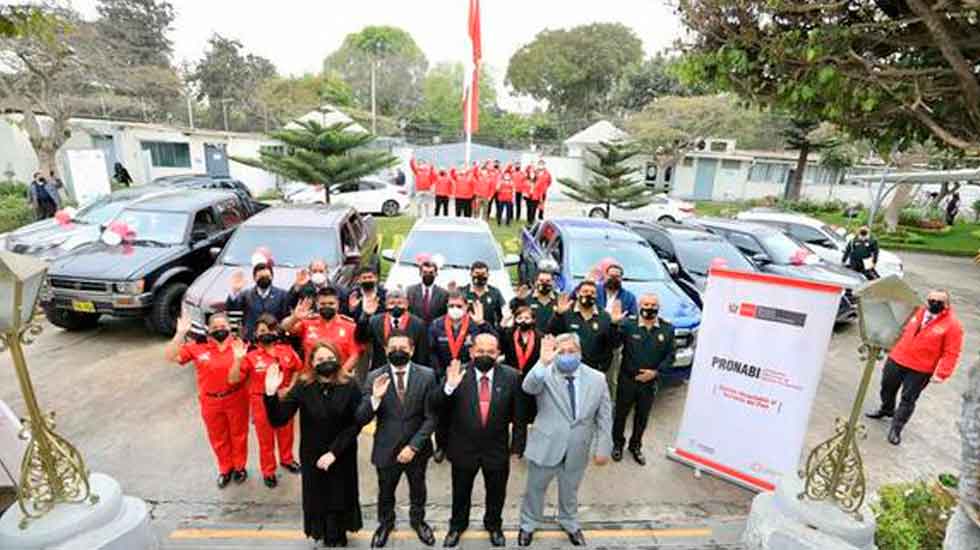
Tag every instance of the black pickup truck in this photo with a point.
(175, 237)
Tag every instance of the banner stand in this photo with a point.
(701, 464)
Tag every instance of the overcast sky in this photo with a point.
(297, 34)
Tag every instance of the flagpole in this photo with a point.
(468, 123)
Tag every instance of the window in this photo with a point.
(230, 213)
(467, 248)
(165, 154)
(291, 247)
(357, 229)
(639, 261)
(698, 253)
(719, 146)
(727, 164)
(668, 172)
(688, 161)
(746, 244)
(346, 188)
(156, 227)
(204, 221)
(810, 235)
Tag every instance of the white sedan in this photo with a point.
(453, 244)
(661, 209)
(366, 196)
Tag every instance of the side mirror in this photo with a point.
(761, 259)
(214, 251)
(198, 235)
(673, 268)
(511, 260)
(388, 254)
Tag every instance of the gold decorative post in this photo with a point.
(52, 470)
(834, 470)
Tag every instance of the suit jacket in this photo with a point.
(252, 305)
(401, 424)
(509, 350)
(470, 443)
(371, 329)
(438, 300)
(626, 299)
(556, 436)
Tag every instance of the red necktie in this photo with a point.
(484, 399)
(425, 303)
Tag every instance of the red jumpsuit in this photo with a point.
(339, 331)
(254, 368)
(423, 176)
(224, 407)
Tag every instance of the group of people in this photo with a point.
(455, 373)
(44, 195)
(476, 189)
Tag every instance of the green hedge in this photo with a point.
(13, 189)
(912, 516)
(14, 212)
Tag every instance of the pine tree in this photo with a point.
(321, 155)
(612, 182)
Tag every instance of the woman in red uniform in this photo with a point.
(224, 406)
(270, 350)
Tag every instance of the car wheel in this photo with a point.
(390, 208)
(71, 321)
(597, 212)
(166, 308)
(666, 219)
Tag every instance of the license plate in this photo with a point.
(83, 307)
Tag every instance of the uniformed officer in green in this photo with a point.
(593, 325)
(648, 349)
(542, 300)
(480, 290)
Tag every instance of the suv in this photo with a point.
(176, 238)
(204, 181)
(295, 236)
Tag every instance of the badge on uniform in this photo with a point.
(573, 326)
(637, 337)
(595, 326)
(660, 337)
(342, 333)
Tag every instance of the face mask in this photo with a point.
(484, 363)
(479, 281)
(456, 313)
(428, 279)
(525, 326)
(613, 283)
(220, 335)
(319, 279)
(587, 301)
(544, 288)
(368, 286)
(264, 282)
(396, 311)
(268, 338)
(936, 307)
(399, 358)
(567, 363)
(649, 312)
(863, 235)
(328, 367)
(328, 312)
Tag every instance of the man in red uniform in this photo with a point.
(542, 181)
(521, 188)
(927, 351)
(505, 199)
(424, 181)
(269, 350)
(325, 324)
(444, 190)
(224, 406)
(463, 192)
(484, 187)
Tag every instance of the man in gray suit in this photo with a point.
(574, 412)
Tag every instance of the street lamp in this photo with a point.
(834, 470)
(52, 470)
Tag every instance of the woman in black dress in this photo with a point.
(327, 399)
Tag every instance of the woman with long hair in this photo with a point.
(327, 399)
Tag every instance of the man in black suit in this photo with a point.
(427, 300)
(483, 401)
(401, 400)
(376, 327)
(253, 302)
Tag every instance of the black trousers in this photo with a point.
(532, 210)
(495, 486)
(464, 208)
(388, 479)
(630, 395)
(518, 199)
(505, 211)
(911, 383)
(442, 203)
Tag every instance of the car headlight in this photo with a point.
(130, 287)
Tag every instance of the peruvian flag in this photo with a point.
(471, 73)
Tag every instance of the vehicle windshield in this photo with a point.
(290, 247)
(458, 250)
(101, 211)
(165, 228)
(697, 255)
(639, 262)
(838, 238)
(781, 248)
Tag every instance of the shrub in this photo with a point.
(13, 188)
(912, 516)
(976, 210)
(810, 206)
(14, 212)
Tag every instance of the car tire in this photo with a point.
(666, 219)
(390, 208)
(597, 212)
(72, 321)
(166, 308)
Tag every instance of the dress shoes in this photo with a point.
(617, 453)
(439, 455)
(239, 476)
(895, 435)
(497, 538)
(879, 414)
(292, 467)
(452, 538)
(380, 538)
(577, 538)
(223, 480)
(270, 481)
(426, 536)
(524, 538)
(638, 456)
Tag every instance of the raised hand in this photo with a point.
(371, 304)
(273, 379)
(549, 349)
(380, 387)
(564, 303)
(353, 300)
(325, 461)
(239, 349)
(183, 325)
(617, 314)
(477, 314)
(302, 277)
(303, 309)
(237, 281)
(455, 373)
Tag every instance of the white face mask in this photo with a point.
(456, 313)
(319, 279)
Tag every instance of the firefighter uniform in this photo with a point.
(339, 331)
(253, 370)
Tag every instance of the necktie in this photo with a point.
(425, 303)
(571, 393)
(484, 399)
(400, 384)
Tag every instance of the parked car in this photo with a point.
(204, 181)
(175, 236)
(577, 245)
(775, 252)
(367, 195)
(454, 244)
(661, 209)
(295, 236)
(825, 241)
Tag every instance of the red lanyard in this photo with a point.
(456, 343)
(523, 352)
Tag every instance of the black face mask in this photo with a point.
(649, 313)
(479, 281)
(428, 279)
(368, 286)
(614, 283)
(484, 363)
(863, 235)
(263, 282)
(268, 338)
(397, 311)
(525, 326)
(327, 368)
(544, 288)
(936, 307)
(587, 301)
(220, 335)
(399, 358)
(328, 312)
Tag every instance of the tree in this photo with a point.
(887, 71)
(395, 60)
(441, 110)
(612, 182)
(227, 78)
(321, 155)
(286, 98)
(135, 31)
(18, 20)
(575, 70)
(643, 82)
(804, 136)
